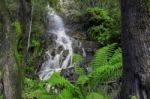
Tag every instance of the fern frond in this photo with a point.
(79, 71)
(117, 57)
(65, 94)
(57, 80)
(103, 55)
(82, 79)
(94, 95)
(107, 73)
(68, 88)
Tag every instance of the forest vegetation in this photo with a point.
(106, 42)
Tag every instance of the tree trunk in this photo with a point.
(136, 50)
(11, 78)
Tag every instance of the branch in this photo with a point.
(30, 28)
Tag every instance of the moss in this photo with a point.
(77, 58)
(148, 6)
(16, 24)
(133, 97)
(1, 97)
(18, 55)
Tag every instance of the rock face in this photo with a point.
(68, 7)
(75, 28)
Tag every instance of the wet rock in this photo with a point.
(90, 46)
(65, 53)
(79, 35)
(53, 52)
(64, 40)
(69, 73)
(59, 49)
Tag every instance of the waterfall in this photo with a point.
(60, 56)
(84, 53)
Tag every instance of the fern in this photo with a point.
(117, 57)
(68, 89)
(106, 73)
(65, 94)
(79, 71)
(35, 88)
(103, 55)
(82, 79)
(107, 65)
(94, 95)
(57, 80)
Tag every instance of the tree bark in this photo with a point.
(136, 50)
(11, 78)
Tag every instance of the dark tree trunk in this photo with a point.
(11, 78)
(136, 49)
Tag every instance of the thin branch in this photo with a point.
(30, 28)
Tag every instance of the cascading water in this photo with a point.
(61, 55)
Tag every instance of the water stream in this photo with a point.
(61, 56)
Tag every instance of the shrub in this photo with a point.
(101, 26)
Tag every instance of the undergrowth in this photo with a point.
(106, 67)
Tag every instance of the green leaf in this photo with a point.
(103, 55)
(82, 80)
(94, 95)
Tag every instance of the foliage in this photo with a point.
(54, 3)
(133, 97)
(62, 81)
(35, 43)
(83, 79)
(79, 70)
(34, 88)
(39, 8)
(101, 26)
(99, 3)
(18, 57)
(106, 73)
(102, 56)
(18, 53)
(107, 64)
(68, 90)
(148, 5)
(77, 59)
(17, 27)
(94, 96)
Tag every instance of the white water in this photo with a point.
(56, 62)
(84, 53)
